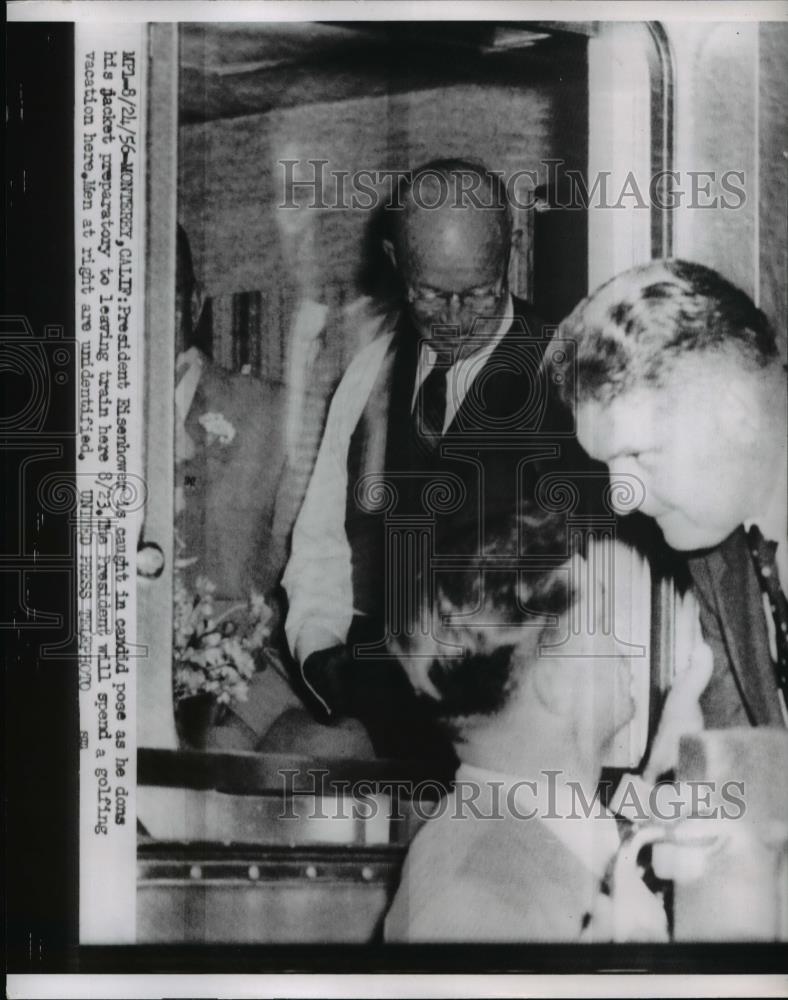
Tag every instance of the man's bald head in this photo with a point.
(451, 237)
(456, 210)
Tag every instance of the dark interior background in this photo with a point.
(361, 96)
(374, 96)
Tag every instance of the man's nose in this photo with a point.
(627, 491)
(454, 306)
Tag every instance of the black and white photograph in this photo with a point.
(411, 411)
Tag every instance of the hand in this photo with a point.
(327, 674)
(681, 713)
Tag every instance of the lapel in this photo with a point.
(740, 609)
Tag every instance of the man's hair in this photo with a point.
(633, 330)
(183, 260)
(201, 335)
(467, 183)
(490, 617)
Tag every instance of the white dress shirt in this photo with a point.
(318, 578)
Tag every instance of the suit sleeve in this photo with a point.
(318, 576)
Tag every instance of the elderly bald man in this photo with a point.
(428, 425)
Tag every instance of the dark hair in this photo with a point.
(184, 265)
(201, 335)
(518, 585)
(451, 170)
(633, 329)
(377, 276)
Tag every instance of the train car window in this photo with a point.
(280, 300)
(256, 307)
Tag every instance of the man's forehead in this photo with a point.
(449, 252)
(454, 273)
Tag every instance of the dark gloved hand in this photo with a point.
(327, 674)
(332, 677)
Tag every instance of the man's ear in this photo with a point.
(390, 252)
(196, 304)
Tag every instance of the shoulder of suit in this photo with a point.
(526, 842)
(479, 879)
(485, 847)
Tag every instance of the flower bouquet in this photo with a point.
(215, 655)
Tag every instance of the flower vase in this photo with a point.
(195, 717)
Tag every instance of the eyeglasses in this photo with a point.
(431, 300)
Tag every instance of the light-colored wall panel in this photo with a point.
(773, 152)
(732, 115)
(230, 184)
(716, 101)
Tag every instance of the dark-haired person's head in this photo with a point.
(189, 299)
(450, 230)
(518, 660)
(678, 382)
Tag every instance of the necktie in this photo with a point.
(429, 413)
(764, 557)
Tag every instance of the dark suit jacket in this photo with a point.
(743, 688)
(487, 458)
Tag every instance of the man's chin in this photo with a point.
(685, 536)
